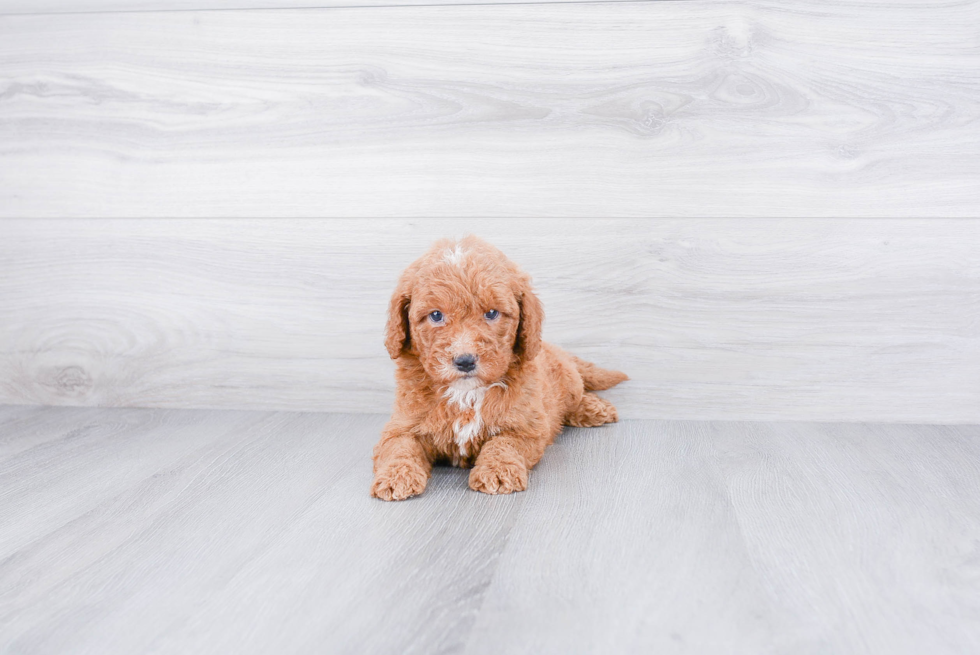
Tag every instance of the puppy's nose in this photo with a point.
(465, 363)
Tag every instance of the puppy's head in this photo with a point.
(466, 312)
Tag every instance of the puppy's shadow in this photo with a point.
(446, 477)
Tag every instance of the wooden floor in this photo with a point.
(181, 531)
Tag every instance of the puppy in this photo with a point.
(475, 385)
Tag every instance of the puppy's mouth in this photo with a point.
(467, 376)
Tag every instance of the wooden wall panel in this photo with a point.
(868, 320)
(648, 109)
(90, 6)
(97, 6)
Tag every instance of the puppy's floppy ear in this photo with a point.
(397, 330)
(528, 341)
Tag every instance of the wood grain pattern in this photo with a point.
(706, 108)
(872, 320)
(744, 538)
(89, 6)
(190, 531)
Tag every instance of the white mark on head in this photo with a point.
(454, 255)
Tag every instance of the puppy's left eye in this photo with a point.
(491, 315)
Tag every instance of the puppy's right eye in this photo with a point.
(436, 317)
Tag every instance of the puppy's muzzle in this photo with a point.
(465, 363)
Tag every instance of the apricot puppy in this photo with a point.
(476, 386)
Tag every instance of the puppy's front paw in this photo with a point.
(498, 477)
(399, 480)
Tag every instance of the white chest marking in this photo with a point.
(468, 393)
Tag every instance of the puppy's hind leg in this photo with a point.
(591, 412)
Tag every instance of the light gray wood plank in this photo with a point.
(90, 6)
(273, 523)
(744, 538)
(42, 483)
(364, 576)
(13, 414)
(707, 108)
(23, 428)
(647, 536)
(873, 320)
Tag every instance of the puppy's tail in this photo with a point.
(595, 378)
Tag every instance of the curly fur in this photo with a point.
(499, 418)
